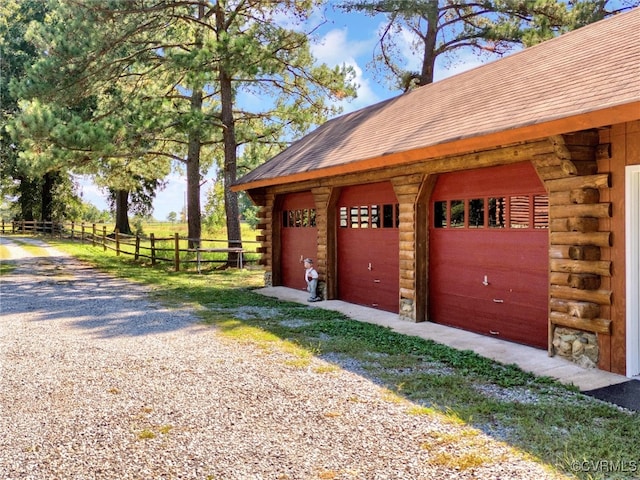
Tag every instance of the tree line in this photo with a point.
(128, 91)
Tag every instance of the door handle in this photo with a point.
(498, 300)
(369, 267)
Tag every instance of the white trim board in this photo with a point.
(632, 237)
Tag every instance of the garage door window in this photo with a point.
(519, 211)
(457, 214)
(541, 211)
(513, 212)
(299, 218)
(370, 216)
(497, 212)
(476, 213)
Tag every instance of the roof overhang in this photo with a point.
(524, 133)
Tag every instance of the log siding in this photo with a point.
(575, 237)
(407, 189)
(574, 169)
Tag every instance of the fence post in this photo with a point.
(152, 240)
(82, 234)
(104, 237)
(117, 232)
(93, 235)
(3, 226)
(137, 246)
(73, 230)
(177, 251)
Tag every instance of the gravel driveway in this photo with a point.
(99, 382)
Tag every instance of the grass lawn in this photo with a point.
(555, 424)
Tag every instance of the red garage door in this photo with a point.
(488, 253)
(299, 237)
(368, 265)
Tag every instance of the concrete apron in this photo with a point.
(527, 358)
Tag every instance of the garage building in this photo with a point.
(504, 200)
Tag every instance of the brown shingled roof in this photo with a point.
(578, 75)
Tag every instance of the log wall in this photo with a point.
(265, 234)
(584, 175)
(407, 189)
(576, 239)
(326, 259)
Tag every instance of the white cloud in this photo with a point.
(335, 48)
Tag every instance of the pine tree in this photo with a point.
(444, 28)
(164, 82)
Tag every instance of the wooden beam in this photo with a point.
(596, 210)
(559, 278)
(407, 293)
(584, 310)
(550, 173)
(582, 138)
(582, 153)
(585, 281)
(546, 160)
(560, 147)
(598, 239)
(407, 284)
(576, 224)
(575, 252)
(585, 167)
(571, 183)
(600, 267)
(601, 297)
(584, 195)
(603, 151)
(595, 325)
(559, 305)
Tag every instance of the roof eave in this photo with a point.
(534, 131)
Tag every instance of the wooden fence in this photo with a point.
(173, 249)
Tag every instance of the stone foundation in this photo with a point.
(268, 279)
(407, 312)
(578, 346)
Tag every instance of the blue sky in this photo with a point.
(344, 38)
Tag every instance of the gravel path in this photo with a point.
(99, 382)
